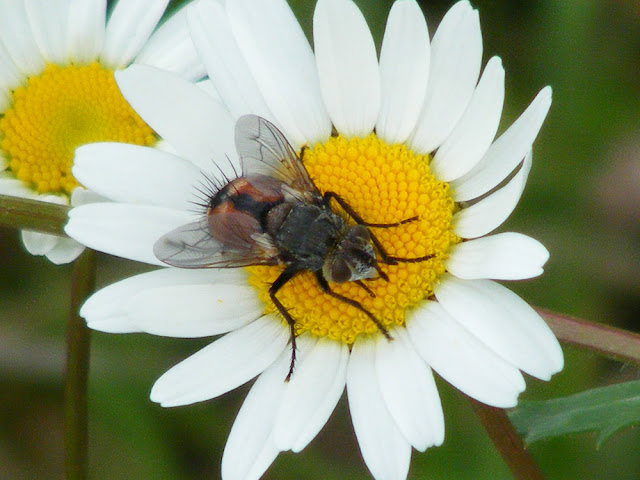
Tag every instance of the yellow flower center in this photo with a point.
(384, 184)
(59, 110)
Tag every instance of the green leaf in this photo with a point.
(604, 410)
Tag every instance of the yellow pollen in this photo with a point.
(384, 184)
(59, 110)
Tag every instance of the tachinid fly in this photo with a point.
(273, 214)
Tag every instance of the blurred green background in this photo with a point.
(581, 202)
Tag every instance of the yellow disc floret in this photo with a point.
(59, 110)
(384, 184)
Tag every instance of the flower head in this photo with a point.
(412, 156)
(58, 92)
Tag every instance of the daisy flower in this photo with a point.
(57, 91)
(407, 136)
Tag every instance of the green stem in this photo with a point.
(78, 341)
(33, 215)
(506, 439)
(610, 341)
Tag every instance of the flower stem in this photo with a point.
(614, 342)
(78, 340)
(23, 213)
(506, 439)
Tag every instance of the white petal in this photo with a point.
(490, 212)
(49, 26)
(65, 251)
(384, 449)
(17, 37)
(86, 30)
(190, 311)
(409, 391)
(506, 152)
(16, 188)
(208, 86)
(404, 71)
(475, 131)
(504, 256)
(347, 67)
(10, 76)
(38, 243)
(81, 196)
(198, 127)
(124, 230)
(224, 365)
(129, 27)
(134, 174)
(250, 448)
(456, 56)
(224, 61)
(283, 65)
(314, 390)
(170, 48)
(107, 304)
(504, 322)
(461, 359)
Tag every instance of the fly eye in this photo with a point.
(339, 271)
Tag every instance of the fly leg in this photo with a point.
(324, 285)
(386, 258)
(287, 274)
(359, 220)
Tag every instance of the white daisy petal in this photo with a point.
(313, 392)
(16, 188)
(66, 250)
(409, 391)
(186, 117)
(461, 359)
(10, 75)
(250, 448)
(404, 71)
(283, 65)
(81, 196)
(170, 48)
(188, 311)
(456, 56)
(504, 322)
(208, 86)
(224, 365)
(347, 66)
(17, 37)
(129, 27)
(490, 212)
(38, 243)
(384, 449)
(506, 152)
(125, 230)
(475, 131)
(504, 256)
(224, 61)
(86, 29)
(107, 303)
(134, 174)
(49, 26)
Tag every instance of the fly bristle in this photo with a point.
(210, 185)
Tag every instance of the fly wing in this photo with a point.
(193, 246)
(264, 150)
